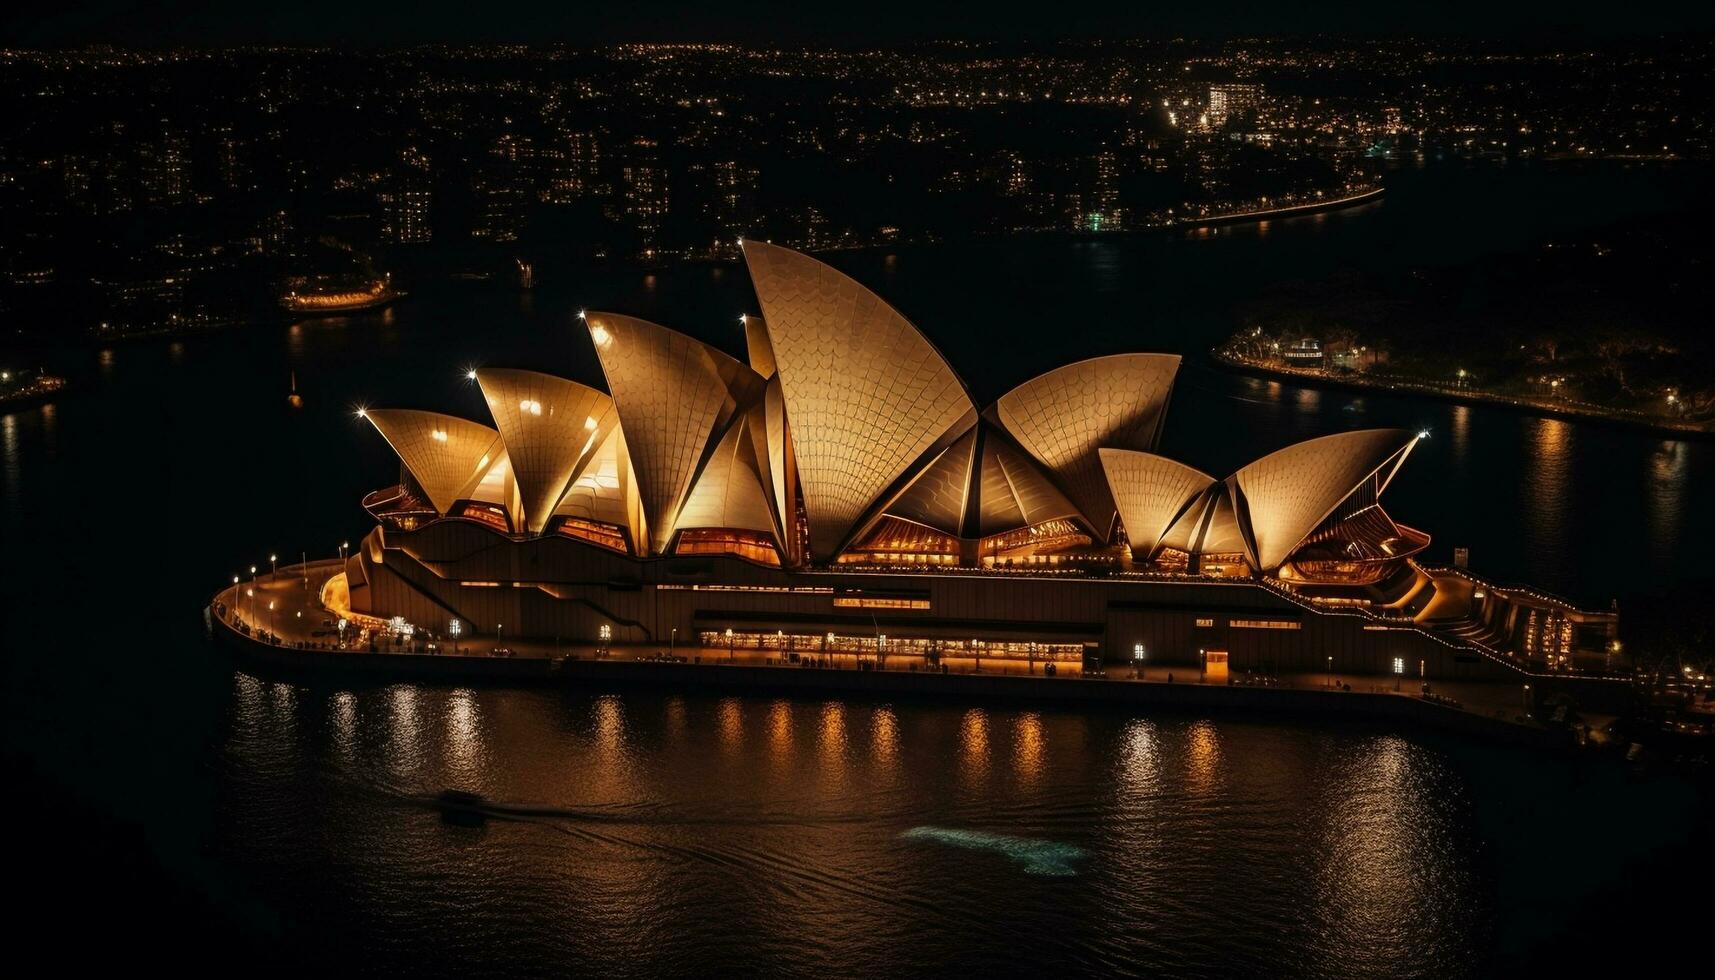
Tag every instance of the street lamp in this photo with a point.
(606, 635)
(342, 625)
(233, 612)
(1138, 653)
(454, 628)
(673, 641)
(881, 650)
(729, 653)
(273, 567)
(1330, 671)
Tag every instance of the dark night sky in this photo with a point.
(44, 22)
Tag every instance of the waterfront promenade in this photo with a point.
(1552, 407)
(285, 621)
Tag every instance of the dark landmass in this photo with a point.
(1612, 321)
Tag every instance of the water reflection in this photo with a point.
(464, 737)
(884, 738)
(1460, 430)
(1027, 749)
(1547, 476)
(1665, 498)
(798, 823)
(1202, 758)
(729, 728)
(402, 751)
(973, 745)
(345, 725)
(11, 464)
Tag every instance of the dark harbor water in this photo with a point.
(190, 807)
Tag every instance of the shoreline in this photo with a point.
(298, 665)
(1270, 214)
(1315, 379)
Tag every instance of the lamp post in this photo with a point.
(1138, 654)
(342, 626)
(729, 653)
(881, 651)
(232, 613)
(673, 641)
(250, 592)
(977, 652)
(828, 648)
(273, 566)
(454, 628)
(606, 635)
(270, 620)
(1330, 671)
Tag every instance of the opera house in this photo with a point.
(839, 490)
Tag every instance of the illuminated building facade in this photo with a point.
(839, 486)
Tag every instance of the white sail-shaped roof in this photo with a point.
(731, 490)
(937, 497)
(1064, 416)
(1015, 493)
(499, 488)
(446, 455)
(676, 396)
(1283, 496)
(550, 426)
(1152, 492)
(868, 396)
(598, 492)
(782, 464)
(757, 348)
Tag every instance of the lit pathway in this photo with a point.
(289, 605)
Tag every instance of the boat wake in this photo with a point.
(1038, 857)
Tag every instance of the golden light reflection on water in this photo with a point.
(1027, 748)
(675, 718)
(464, 735)
(1547, 471)
(1461, 432)
(12, 459)
(831, 734)
(831, 746)
(1203, 758)
(344, 717)
(1308, 401)
(729, 727)
(780, 736)
(403, 748)
(1383, 871)
(884, 739)
(1664, 500)
(974, 744)
(611, 770)
(608, 718)
(1140, 759)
